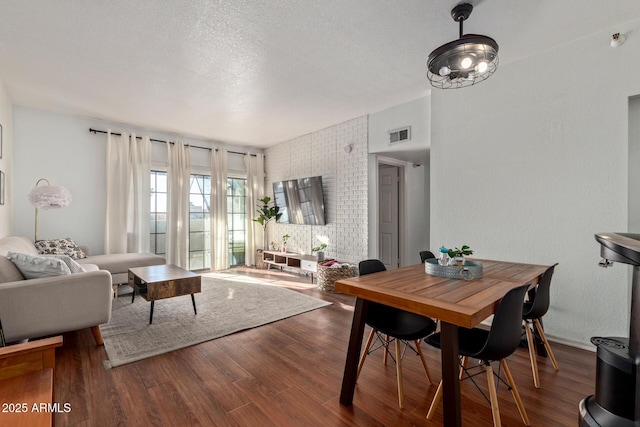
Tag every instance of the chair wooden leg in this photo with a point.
(463, 364)
(399, 372)
(538, 325)
(364, 353)
(532, 354)
(493, 396)
(424, 362)
(514, 391)
(435, 401)
(97, 335)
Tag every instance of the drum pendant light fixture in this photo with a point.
(463, 62)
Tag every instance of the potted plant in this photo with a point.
(319, 250)
(285, 239)
(457, 255)
(266, 212)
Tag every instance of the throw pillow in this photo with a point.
(60, 247)
(74, 267)
(36, 266)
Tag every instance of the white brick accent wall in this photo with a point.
(344, 179)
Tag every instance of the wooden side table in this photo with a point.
(26, 383)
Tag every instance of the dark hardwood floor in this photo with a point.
(288, 373)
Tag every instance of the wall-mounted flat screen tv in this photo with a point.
(300, 201)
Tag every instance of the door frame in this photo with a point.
(381, 160)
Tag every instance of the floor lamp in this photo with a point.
(46, 197)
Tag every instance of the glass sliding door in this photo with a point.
(199, 218)
(158, 214)
(199, 222)
(236, 219)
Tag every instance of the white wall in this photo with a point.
(407, 154)
(538, 155)
(6, 162)
(61, 149)
(415, 114)
(634, 161)
(344, 179)
(417, 231)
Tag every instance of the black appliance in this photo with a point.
(617, 398)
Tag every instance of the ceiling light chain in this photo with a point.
(463, 62)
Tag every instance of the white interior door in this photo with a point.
(388, 189)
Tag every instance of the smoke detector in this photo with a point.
(617, 40)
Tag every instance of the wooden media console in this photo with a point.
(299, 262)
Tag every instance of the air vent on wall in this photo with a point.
(399, 135)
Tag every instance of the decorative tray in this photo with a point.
(469, 271)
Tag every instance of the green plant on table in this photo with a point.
(320, 248)
(464, 250)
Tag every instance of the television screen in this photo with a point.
(300, 201)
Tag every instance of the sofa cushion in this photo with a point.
(17, 244)
(121, 263)
(65, 246)
(9, 272)
(35, 266)
(90, 267)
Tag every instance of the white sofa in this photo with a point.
(32, 308)
(119, 264)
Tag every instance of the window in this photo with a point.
(158, 227)
(199, 223)
(199, 218)
(236, 219)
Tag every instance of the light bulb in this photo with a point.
(466, 63)
(444, 71)
(482, 67)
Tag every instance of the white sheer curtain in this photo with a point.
(218, 217)
(128, 175)
(178, 176)
(115, 237)
(139, 199)
(255, 190)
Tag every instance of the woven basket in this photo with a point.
(260, 260)
(327, 276)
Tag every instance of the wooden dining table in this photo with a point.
(456, 302)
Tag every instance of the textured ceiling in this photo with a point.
(252, 72)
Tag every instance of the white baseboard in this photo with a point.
(573, 343)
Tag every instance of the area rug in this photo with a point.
(228, 303)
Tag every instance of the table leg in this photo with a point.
(133, 294)
(151, 313)
(353, 352)
(450, 371)
(193, 300)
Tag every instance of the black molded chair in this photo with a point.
(533, 310)
(491, 345)
(402, 326)
(425, 255)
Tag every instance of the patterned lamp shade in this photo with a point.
(49, 196)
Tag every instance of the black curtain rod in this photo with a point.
(169, 142)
